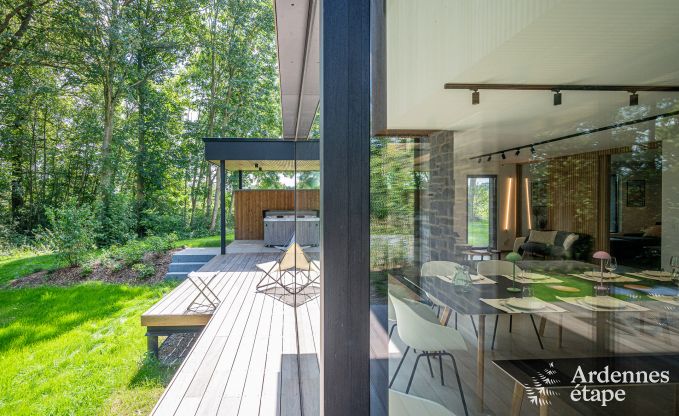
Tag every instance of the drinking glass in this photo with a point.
(675, 280)
(527, 291)
(601, 290)
(611, 264)
(462, 281)
(674, 263)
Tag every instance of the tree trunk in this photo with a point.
(195, 185)
(215, 209)
(208, 200)
(106, 175)
(140, 185)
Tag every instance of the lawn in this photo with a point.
(78, 350)
(478, 233)
(210, 241)
(25, 263)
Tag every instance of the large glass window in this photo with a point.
(524, 242)
(481, 211)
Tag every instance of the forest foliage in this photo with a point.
(104, 104)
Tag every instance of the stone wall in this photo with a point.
(438, 200)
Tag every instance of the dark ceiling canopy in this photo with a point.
(263, 154)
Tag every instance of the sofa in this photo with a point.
(638, 249)
(554, 245)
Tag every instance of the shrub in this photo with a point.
(163, 223)
(87, 269)
(71, 232)
(144, 271)
(134, 251)
(115, 221)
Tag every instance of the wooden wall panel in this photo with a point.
(573, 185)
(249, 206)
(579, 188)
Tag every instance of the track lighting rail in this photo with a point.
(518, 149)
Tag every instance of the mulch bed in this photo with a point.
(74, 275)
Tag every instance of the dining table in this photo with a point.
(491, 300)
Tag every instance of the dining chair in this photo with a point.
(401, 404)
(496, 267)
(506, 268)
(418, 307)
(430, 339)
(444, 270)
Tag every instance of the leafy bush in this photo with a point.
(115, 221)
(87, 269)
(143, 270)
(71, 232)
(163, 223)
(134, 251)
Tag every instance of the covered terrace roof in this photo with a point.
(297, 35)
(263, 154)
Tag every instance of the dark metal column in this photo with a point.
(345, 171)
(240, 179)
(222, 200)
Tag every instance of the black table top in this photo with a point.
(469, 302)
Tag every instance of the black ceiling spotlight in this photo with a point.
(256, 165)
(578, 134)
(503, 156)
(475, 97)
(633, 98)
(260, 169)
(489, 157)
(557, 97)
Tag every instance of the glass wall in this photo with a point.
(525, 234)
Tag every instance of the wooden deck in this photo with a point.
(257, 353)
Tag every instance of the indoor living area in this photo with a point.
(534, 257)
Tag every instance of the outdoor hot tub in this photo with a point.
(280, 226)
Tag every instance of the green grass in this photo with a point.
(478, 233)
(77, 350)
(28, 262)
(210, 241)
(25, 263)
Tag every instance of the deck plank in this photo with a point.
(269, 401)
(240, 329)
(289, 389)
(256, 367)
(308, 362)
(211, 377)
(246, 360)
(176, 390)
(173, 308)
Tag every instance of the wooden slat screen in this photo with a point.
(579, 193)
(249, 206)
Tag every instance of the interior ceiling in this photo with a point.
(528, 42)
(297, 32)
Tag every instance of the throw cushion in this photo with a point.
(568, 242)
(542, 237)
(653, 231)
(536, 248)
(558, 252)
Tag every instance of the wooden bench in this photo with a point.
(173, 313)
